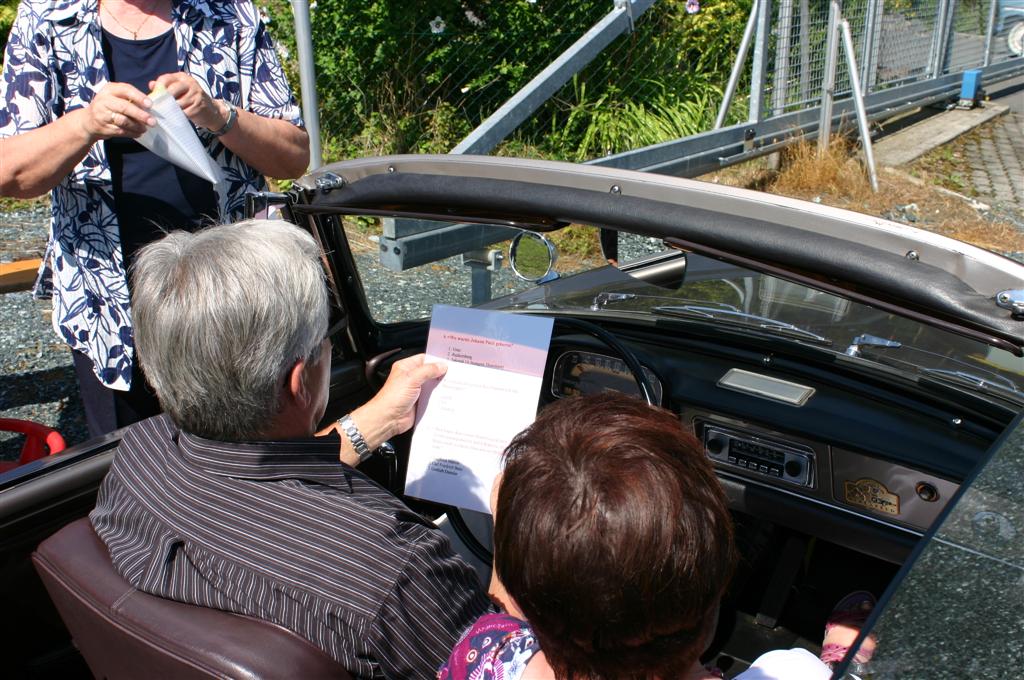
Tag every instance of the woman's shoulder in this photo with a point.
(33, 15)
(241, 12)
(495, 646)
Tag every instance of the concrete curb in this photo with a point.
(913, 142)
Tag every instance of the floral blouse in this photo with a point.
(496, 647)
(54, 64)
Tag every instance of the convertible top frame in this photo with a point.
(919, 274)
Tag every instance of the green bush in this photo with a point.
(8, 10)
(397, 77)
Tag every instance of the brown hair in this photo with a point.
(613, 536)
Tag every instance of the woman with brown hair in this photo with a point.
(613, 545)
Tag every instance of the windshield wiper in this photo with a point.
(605, 298)
(744, 319)
(602, 299)
(958, 376)
(870, 341)
(963, 377)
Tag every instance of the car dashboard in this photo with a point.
(866, 464)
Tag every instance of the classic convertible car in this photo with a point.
(858, 385)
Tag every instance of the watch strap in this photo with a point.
(355, 437)
(230, 122)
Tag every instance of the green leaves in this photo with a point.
(387, 83)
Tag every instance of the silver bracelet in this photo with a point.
(230, 122)
(355, 437)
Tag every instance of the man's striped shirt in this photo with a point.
(284, 532)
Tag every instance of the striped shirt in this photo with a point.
(282, 531)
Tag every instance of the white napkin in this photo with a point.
(174, 139)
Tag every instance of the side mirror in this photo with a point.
(532, 256)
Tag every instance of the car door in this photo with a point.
(39, 498)
(956, 609)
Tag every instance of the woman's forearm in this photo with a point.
(274, 147)
(35, 161)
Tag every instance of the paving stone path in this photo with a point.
(996, 155)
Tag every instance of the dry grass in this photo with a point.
(838, 179)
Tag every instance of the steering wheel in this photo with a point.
(458, 523)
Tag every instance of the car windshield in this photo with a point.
(646, 281)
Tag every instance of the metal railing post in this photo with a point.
(858, 101)
(872, 34)
(828, 84)
(760, 63)
(527, 100)
(307, 80)
(737, 67)
(937, 56)
(990, 31)
(805, 53)
(780, 81)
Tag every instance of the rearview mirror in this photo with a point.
(532, 256)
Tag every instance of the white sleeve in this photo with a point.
(787, 664)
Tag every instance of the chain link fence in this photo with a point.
(395, 78)
(419, 77)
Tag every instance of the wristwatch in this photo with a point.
(230, 122)
(355, 437)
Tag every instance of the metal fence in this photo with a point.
(620, 81)
(584, 80)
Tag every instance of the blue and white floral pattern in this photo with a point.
(53, 65)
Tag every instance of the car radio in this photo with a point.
(789, 462)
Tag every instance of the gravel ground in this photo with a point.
(38, 380)
(23, 233)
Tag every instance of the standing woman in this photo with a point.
(73, 92)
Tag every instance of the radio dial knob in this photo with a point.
(794, 468)
(716, 445)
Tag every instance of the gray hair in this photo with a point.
(220, 317)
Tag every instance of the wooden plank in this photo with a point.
(20, 275)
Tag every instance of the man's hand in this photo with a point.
(118, 110)
(194, 101)
(393, 410)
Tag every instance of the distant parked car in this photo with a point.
(1011, 20)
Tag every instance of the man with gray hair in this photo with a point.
(229, 501)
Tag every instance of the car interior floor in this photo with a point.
(784, 589)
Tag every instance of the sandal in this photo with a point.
(851, 612)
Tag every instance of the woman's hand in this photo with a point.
(272, 146)
(118, 110)
(194, 101)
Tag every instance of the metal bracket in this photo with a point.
(489, 259)
(260, 202)
(481, 263)
(627, 6)
(328, 182)
(1012, 300)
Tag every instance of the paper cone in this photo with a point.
(174, 139)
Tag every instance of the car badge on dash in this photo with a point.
(871, 494)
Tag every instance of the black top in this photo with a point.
(151, 195)
(284, 532)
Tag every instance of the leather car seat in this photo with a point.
(125, 633)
